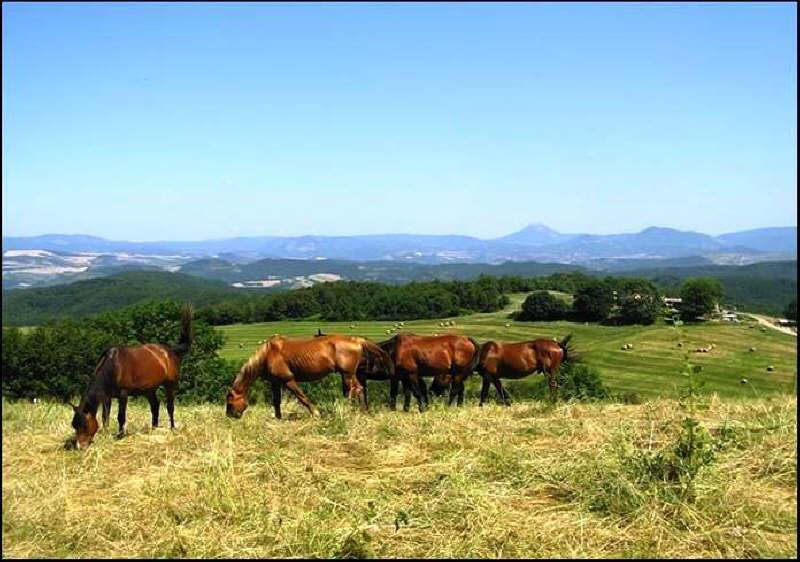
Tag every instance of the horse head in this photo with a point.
(84, 422)
(235, 403)
(440, 383)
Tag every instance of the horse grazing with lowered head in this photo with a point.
(125, 371)
(505, 360)
(449, 359)
(284, 362)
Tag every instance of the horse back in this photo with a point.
(144, 367)
(434, 354)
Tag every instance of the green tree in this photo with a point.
(593, 302)
(639, 302)
(699, 296)
(541, 305)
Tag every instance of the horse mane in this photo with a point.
(253, 365)
(95, 393)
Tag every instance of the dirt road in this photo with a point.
(768, 321)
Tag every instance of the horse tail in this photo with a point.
(568, 350)
(389, 346)
(187, 332)
(476, 358)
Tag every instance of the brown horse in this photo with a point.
(449, 359)
(132, 371)
(503, 360)
(285, 362)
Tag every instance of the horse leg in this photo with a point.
(501, 392)
(423, 391)
(106, 411)
(123, 406)
(415, 384)
(276, 397)
(393, 386)
(485, 389)
(170, 390)
(406, 394)
(298, 392)
(153, 399)
(363, 380)
(356, 389)
(461, 390)
(453, 392)
(553, 384)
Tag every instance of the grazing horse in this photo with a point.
(285, 362)
(503, 360)
(370, 367)
(449, 359)
(132, 371)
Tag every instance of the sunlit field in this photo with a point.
(650, 368)
(529, 480)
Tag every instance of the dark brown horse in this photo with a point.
(132, 371)
(449, 359)
(283, 362)
(504, 360)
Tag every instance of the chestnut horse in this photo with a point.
(504, 360)
(285, 362)
(132, 371)
(449, 359)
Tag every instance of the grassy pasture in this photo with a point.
(529, 480)
(651, 368)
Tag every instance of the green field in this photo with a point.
(651, 368)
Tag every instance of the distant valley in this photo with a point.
(293, 262)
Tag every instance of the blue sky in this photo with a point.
(192, 121)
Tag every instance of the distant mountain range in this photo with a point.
(58, 258)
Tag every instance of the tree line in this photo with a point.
(58, 359)
(623, 301)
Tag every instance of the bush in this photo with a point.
(576, 381)
(593, 302)
(541, 305)
(639, 302)
(58, 360)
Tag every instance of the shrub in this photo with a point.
(593, 302)
(576, 381)
(541, 305)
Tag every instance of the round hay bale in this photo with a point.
(743, 381)
(388, 331)
(436, 333)
(680, 344)
(770, 367)
(352, 326)
(752, 349)
(402, 323)
(508, 324)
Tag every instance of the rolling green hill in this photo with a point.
(759, 287)
(651, 368)
(84, 298)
